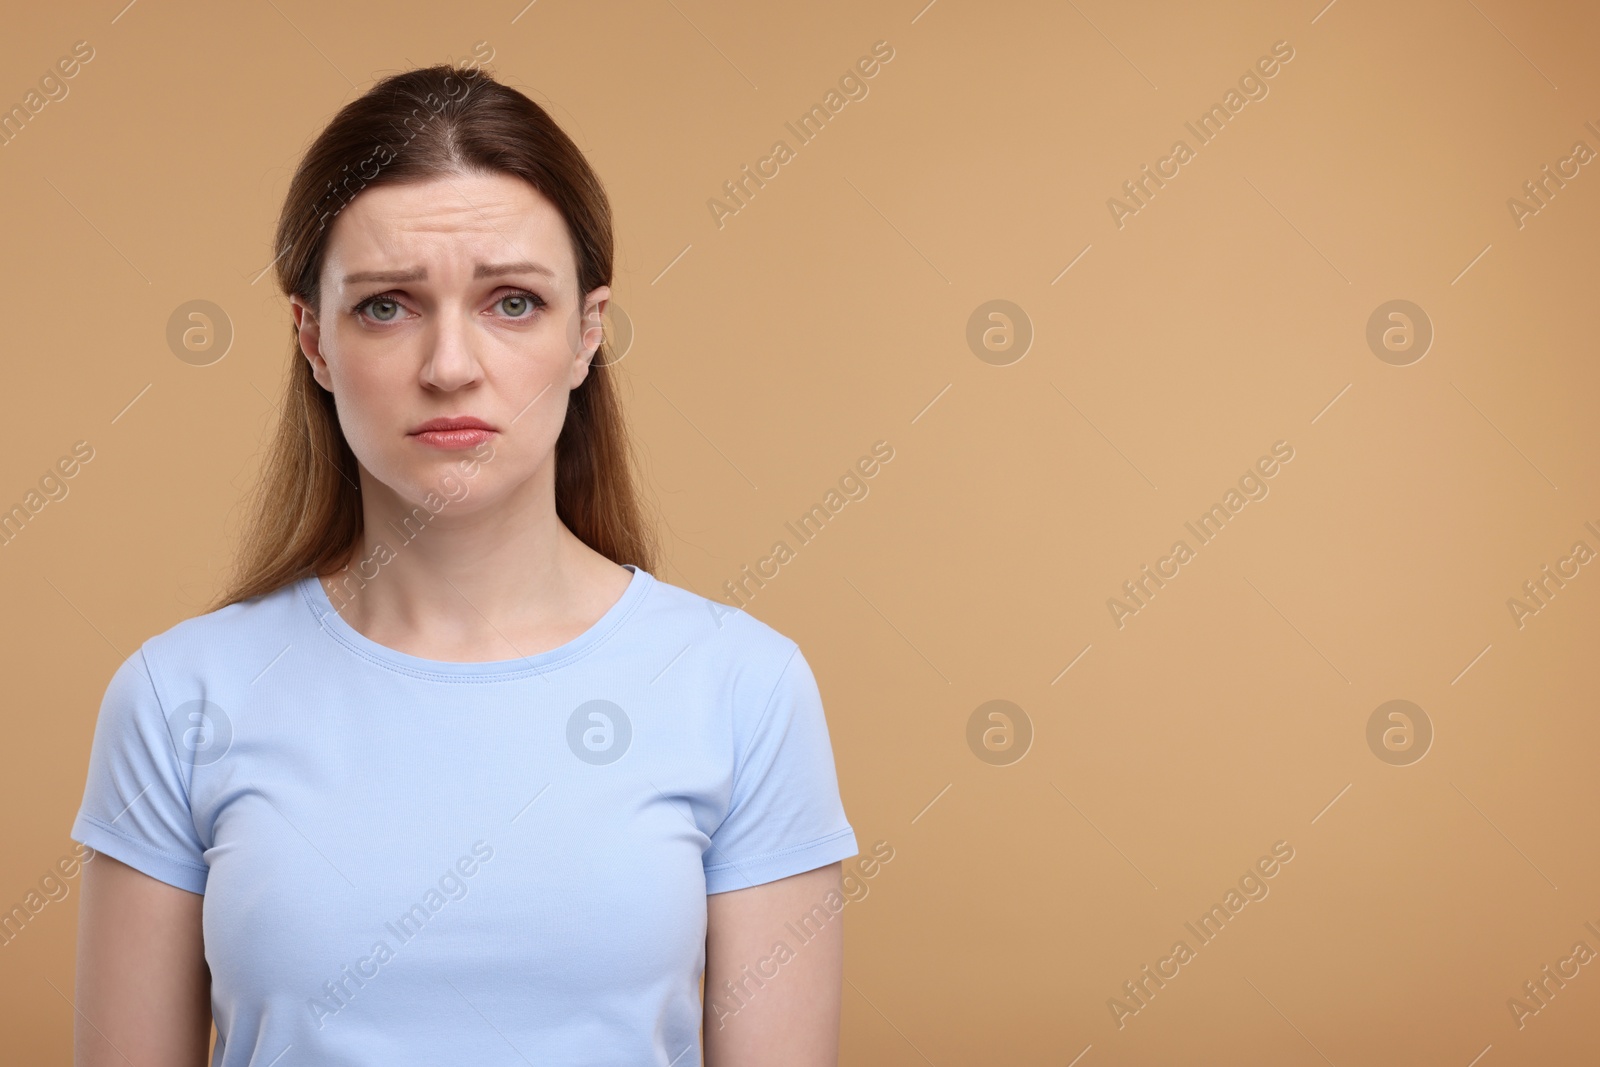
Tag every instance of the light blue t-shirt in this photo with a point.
(411, 861)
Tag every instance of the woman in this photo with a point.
(448, 776)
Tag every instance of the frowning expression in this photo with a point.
(455, 299)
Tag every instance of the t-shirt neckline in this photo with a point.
(332, 624)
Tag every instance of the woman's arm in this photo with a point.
(143, 987)
(775, 973)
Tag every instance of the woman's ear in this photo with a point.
(309, 334)
(590, 332)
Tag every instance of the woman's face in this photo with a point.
(454, 298)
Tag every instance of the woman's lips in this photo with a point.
(453, 439)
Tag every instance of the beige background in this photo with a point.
(831, 312)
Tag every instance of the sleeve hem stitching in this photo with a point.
(144, 846)
(765, 856)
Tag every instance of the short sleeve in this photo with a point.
(785, 815)
(135, 798)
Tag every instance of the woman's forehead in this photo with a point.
(454, 223)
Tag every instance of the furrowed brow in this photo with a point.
(418, 274)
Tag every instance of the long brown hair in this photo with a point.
(305, 514)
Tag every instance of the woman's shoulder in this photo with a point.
(696, 618)
(237, 629)
(213, 655)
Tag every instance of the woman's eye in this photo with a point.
(513, 305)
(382, 310)
(518, 305)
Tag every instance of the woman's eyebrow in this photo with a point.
(417, 274)
(494, 270)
